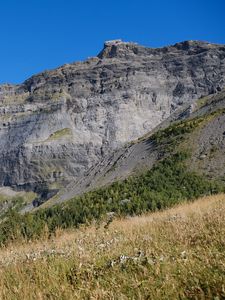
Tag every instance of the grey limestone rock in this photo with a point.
(58, 124)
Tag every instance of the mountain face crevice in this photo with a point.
(58, 124)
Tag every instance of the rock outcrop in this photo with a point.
(58, 124)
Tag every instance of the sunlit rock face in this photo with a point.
(58, 124)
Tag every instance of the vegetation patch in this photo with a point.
(169, 138)
(60, 134)
(176, 132)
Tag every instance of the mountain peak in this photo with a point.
(118, 48)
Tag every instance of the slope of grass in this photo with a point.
(174, 254)
(167, 184)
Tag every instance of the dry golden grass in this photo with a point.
(175, 254)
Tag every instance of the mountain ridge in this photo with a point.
(184, 45)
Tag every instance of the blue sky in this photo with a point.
(43, 34)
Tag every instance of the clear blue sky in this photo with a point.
(43, 34)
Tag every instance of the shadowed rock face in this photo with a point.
(58, 124)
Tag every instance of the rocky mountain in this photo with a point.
(60, 125)
(203, 140)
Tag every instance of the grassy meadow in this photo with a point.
(177, 253)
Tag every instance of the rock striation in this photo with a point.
(58, 124)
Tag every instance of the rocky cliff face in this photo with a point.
(58, 124)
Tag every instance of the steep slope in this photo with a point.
(58, 124)
(204, 141)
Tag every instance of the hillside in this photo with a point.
(200, 133)
(58, 125)
(174, 254)
(181, 162)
